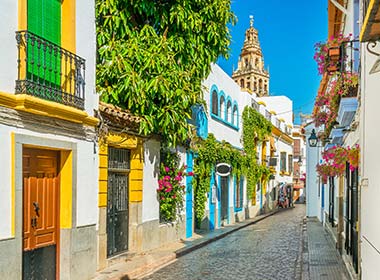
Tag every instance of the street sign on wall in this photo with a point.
(223, 169)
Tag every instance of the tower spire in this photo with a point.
(251, 20)
(250, 73)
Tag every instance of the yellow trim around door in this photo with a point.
(66, 191)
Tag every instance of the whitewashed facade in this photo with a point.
(48, 144)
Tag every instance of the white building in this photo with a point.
(369, 191)
(49, 163)
(226, 102)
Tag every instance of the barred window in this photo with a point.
(283, 161)
(239, 193)
(290, 163)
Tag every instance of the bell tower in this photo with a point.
(250, 74)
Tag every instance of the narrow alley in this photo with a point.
(270, 249)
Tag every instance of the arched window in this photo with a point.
(242, 83)
(266, 88)
(260, 86)
(235, 116)
(229, 111)
(257, 62)
(222, 106)
(214, 102)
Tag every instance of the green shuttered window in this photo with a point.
(44, 59)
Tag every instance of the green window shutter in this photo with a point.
(51, 27)
(35, 16)
(44, 63)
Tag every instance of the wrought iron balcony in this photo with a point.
(278, 123)
(47, 71)
(268, 115)
(255, 105)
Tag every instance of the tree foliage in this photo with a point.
(153, 56)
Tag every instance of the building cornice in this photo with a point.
(37, 106)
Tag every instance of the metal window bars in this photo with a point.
(47, 71)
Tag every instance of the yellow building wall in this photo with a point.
(135, 145)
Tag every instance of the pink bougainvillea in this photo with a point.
(335, 160)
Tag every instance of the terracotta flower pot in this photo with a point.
(334, 52)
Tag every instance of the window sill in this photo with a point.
(219, 119)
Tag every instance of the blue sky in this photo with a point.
(288, 31)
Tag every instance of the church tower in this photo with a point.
(250, 74)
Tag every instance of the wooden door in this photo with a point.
(40, 213)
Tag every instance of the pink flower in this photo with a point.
(190, 173)
(178, 178)
(167, 169)
(174, 196)
(167, 178)
(168, 189)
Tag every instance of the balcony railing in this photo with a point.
(255, 105)
(47, 71)
(268, 115)
(278, 123)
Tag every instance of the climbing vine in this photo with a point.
(255, 129)
(209, 152)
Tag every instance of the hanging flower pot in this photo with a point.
(329, 55)
(334, 52)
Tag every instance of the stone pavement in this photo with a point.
(284, 246)
(139, 265)
(321, 261)
(268, 250)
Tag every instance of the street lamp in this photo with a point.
(313, 139)
(299, 162)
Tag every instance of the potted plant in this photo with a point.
(328, 55)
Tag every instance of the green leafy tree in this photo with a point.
(153, 56)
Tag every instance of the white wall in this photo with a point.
(282, 105)
(8, 53)
(224, 83)
(87, 184)
(282, 146)
(150, 204)
(5, 186)
(86, 48)
(369, 168)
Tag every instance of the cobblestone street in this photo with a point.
(266, 250)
